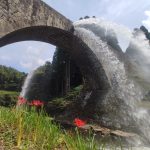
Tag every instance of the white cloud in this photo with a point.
(26, 56)
(146, 22)
(27, 65)
(5, 58)
(126, 12)
(117, 9)
(34, 57)
(32, 63)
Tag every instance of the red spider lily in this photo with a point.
(36, 103)
(79, 123)
(21, 101)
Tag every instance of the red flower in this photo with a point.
(79, 123)
(36, 103)
(21, 101)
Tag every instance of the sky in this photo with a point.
(26, 56)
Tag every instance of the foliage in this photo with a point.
(86, 17)
(78, 88)
(60, 104)
(146, 32)
(20, 129)
(11, 79)
(67, 99)
(8, 98)
(60, 60)
(65, 73)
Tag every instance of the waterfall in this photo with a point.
(26, 85)
(95, 33)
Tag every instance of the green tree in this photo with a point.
(11, 79)
(65, 73)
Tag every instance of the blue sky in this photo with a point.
(26, 56)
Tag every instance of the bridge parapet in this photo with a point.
(18, 14)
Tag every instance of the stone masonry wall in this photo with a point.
(17, 14)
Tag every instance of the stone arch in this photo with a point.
(18, 14)
(86, 60)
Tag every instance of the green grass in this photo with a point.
(8, 92)
(21, 129)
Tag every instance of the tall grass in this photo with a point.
(21, 129)
(26, 130)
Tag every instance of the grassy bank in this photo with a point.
(8, 98)
(20, 129)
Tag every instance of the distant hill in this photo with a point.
(11, 79)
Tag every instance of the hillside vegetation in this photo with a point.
(8, 98)
(11, 79)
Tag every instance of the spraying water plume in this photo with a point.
(119, 107)
(26, 85)
(106, 40)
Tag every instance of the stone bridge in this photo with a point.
(22, 20)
